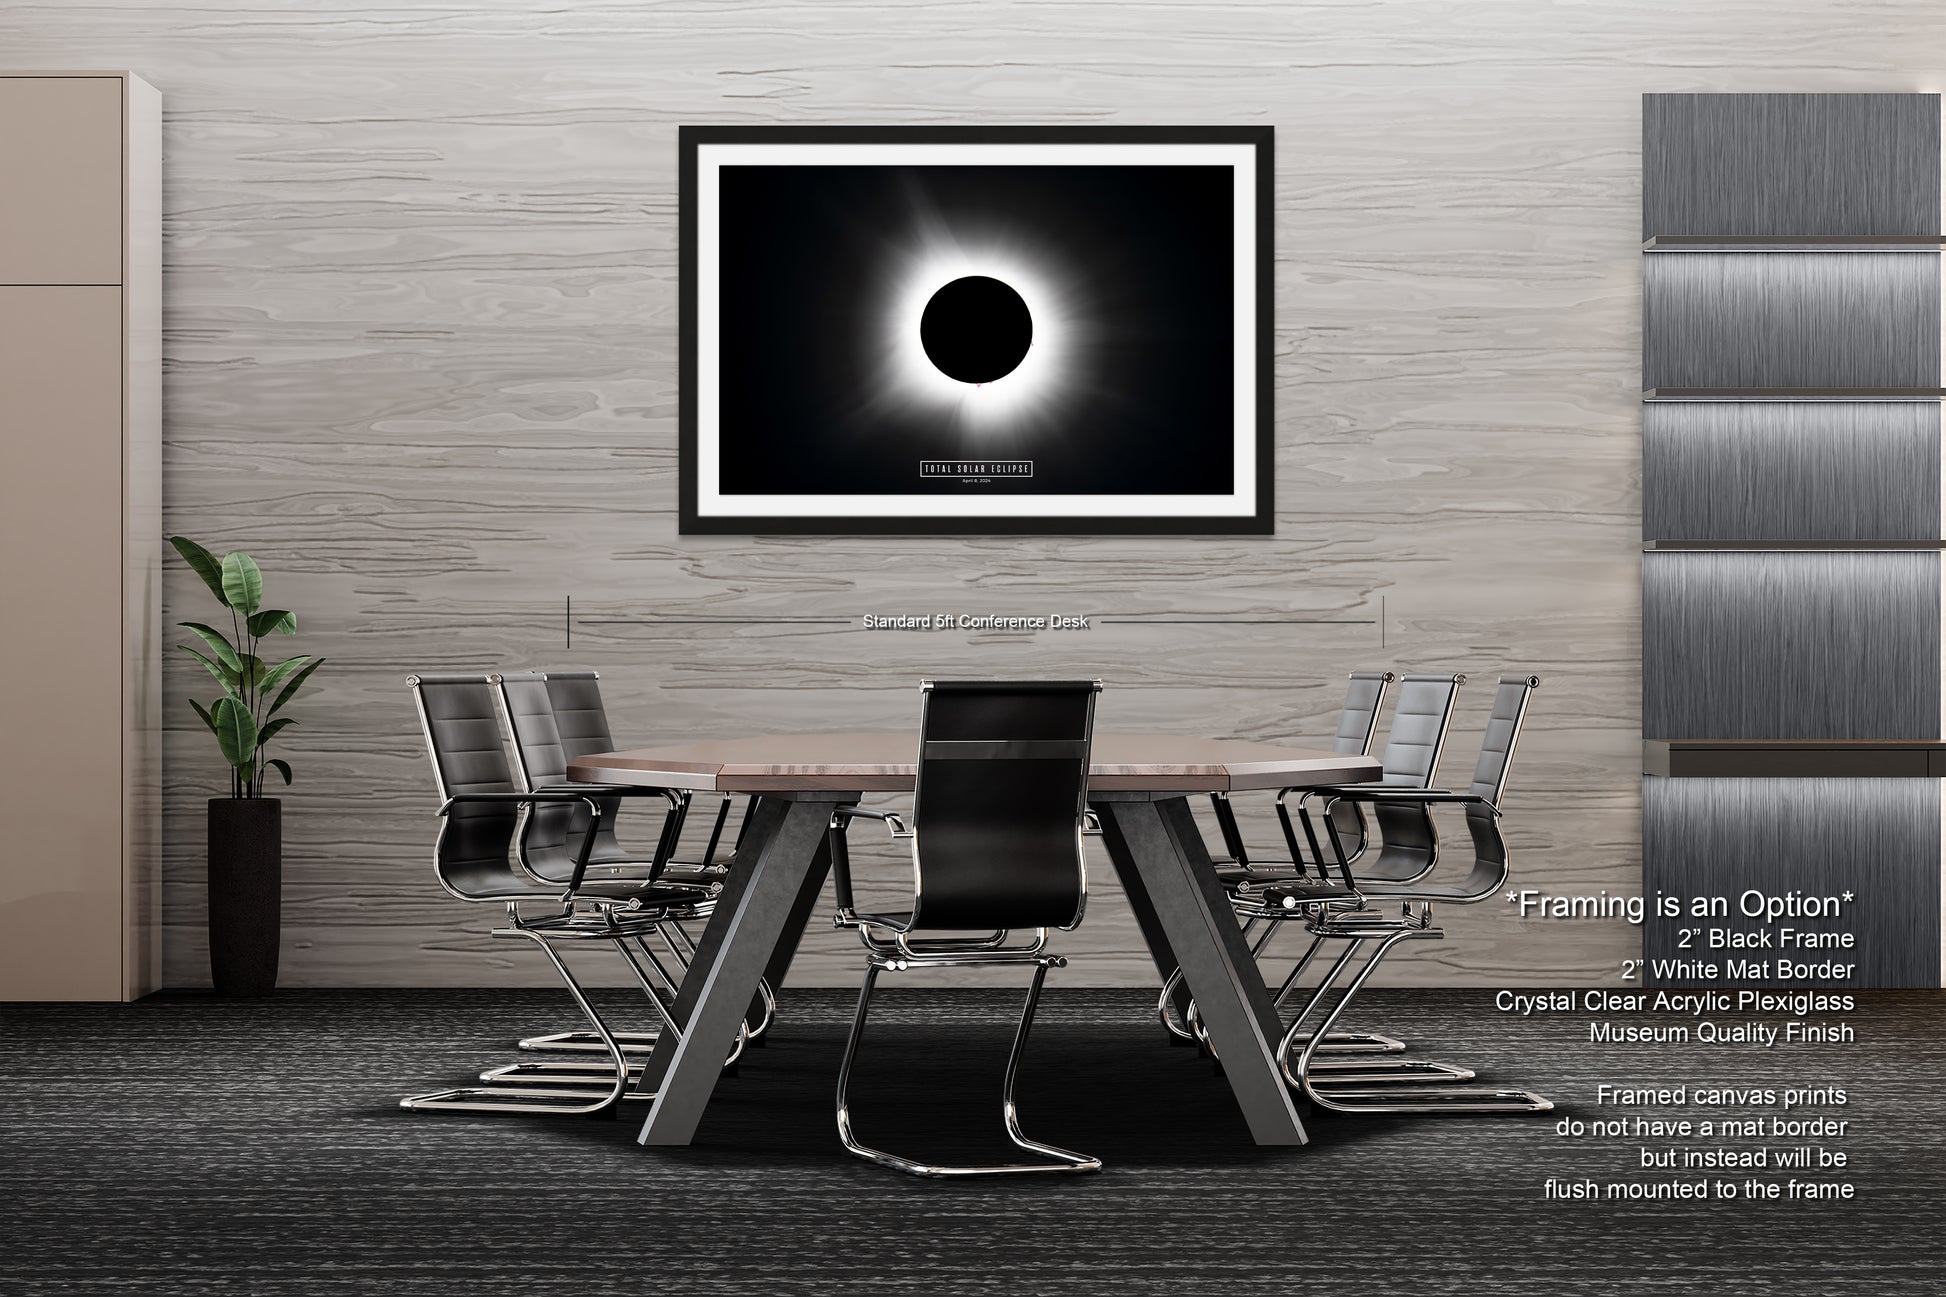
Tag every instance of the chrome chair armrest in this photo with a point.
(1420, 796)
(556, 796)
(836, 844)
(553, 795)
(891, 819)
(669, 795)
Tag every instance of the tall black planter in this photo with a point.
(246, 883)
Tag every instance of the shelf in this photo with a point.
(1793, 546)
(1795, 243)
(1794, 758)
(1794, 394)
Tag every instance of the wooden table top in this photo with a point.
(1153, 763)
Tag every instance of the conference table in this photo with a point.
(1138, 784)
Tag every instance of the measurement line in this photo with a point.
(1239, 621)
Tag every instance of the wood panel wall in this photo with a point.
(421, 345)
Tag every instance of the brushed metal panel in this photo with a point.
(1737, 164)
(1878, 839)
(1790, 646)
(1781, 471)
(1815, 319)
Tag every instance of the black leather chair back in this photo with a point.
(1420, 721)
(997, 810)
(1502, 734)
(1357, 725)
(1413, 746)
(579, 716)
(1490, 859)
(462, 729)
(1358, 720)
(530, 719)
(539, 705)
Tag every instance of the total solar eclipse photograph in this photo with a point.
(1058, 330)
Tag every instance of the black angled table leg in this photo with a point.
(1172, 885)
(757, 905)
(801, 912)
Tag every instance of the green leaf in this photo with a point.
(273, 619)
(269, 731)
(291, 688)
(224, 676)
(236, 731)
(283, 768)
(243, 584)
(252, 672)
(218, 642)
(270, 678)
(205, 564)
(203, 712)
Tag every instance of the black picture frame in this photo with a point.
(1248, 508)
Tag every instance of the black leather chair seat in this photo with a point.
(1231, 875)
(1308, 891)
(508, 888)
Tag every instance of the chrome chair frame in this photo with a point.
(536, 730)
(893, 943)
(1415, 745)
(1357, 726)
(1411, 760)
(482, 866)
(582, 919)
(1336, 919)
(1061, 1159)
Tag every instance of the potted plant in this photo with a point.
(246, 849)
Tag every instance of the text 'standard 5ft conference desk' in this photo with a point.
(1139, 784)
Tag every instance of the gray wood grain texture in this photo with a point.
(1816, 319)
(1878, 839)
(1778, 471)
(1790, 646)
(421, 345)
(1790, 164)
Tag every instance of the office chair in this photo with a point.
(556, 717)
(998, 813)
(1357, 725)
(475, 860)
(1341, 919)
(1414, 743)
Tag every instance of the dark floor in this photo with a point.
(185, 1145)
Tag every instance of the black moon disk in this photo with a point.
(976, 329)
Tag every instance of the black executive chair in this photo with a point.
(557, 717)
(554, 718)
(1348, 920)
(1414, 743)
(475, 860)
(1408, 837)
(997, 819)
(1408, 847)
(1357, 723)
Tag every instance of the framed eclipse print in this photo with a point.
(1061, 330)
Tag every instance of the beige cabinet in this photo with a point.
(81, 535)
